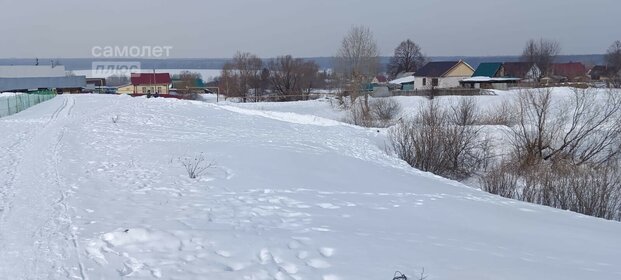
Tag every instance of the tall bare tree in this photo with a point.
(357, 60)
(613, 56)
(408, 57)
(542, 52)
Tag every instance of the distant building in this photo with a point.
(144, 83)
(569, 72)
(490, 70)
(126, 89)
(601, 73)
(379, 80)
(528, 72)
(405, 83)
(489, 75)
(442, 74)
(26, 77)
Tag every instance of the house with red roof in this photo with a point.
(569, 72)
(144, 83)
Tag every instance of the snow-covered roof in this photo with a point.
(483, 79)
(31, 71)
(404, 80)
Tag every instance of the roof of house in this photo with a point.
(381, 78)
(487, 69)
(485, 79)
(436, 68)
(600, 70)
(9, 84)
(403, 80)
(569, 70)
(150, 78)
(517, 69)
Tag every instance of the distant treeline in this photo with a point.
(217, 63)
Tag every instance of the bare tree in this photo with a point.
(117, 80)
(188, 81)
(542, 52)
(292, 78)
(242, 76)
(579, 130)
(613, 55)
(357, 61)
(408, 57)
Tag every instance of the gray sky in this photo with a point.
(218, 28)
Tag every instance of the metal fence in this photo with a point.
(13, 103)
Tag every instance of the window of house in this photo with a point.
(159, 89)
(424, 81)
(144, 89)
(434, 82)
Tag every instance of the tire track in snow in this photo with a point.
(54, 238)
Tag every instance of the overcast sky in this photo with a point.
(218, 28)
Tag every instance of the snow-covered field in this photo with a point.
(292, 194)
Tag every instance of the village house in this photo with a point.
(442, 74)
(379, 80)
(489, 75)
(602, 73)
(569, 72)
(144, 83)
(405, 83)
(526, 71)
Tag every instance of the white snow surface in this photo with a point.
(289, 196)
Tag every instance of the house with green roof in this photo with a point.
(489, 75)
(490, 70)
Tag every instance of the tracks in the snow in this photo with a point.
(34, 178)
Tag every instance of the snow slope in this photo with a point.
(290, 196)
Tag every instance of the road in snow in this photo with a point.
(289, 197)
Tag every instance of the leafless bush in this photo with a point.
(564, 153)
(581, 129)
(360, 115)
(380, 112)
(587, 189)
(443, 141)
(195, 166)
(385, 110)
(500, 180)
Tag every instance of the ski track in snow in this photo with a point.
(290, 196)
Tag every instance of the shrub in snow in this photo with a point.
(441, 140)
(564, 152)
(379, 112)
(195, 166)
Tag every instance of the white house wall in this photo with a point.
(447, 82)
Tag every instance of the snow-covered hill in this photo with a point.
(289, 197)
